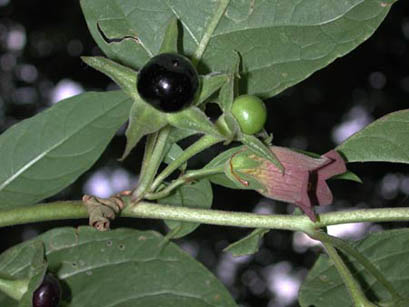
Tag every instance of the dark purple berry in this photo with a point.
(168, 82)
(48, 294)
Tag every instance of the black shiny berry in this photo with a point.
(168, 82)
(48, 294)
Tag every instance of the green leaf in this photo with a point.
(242, 161)
(37, 277)
(281, 42)
(122, 75)
(404, 302)
(193, 119)
(115, 35)
(209, 85)
(228, 126)
(260, 149)
(176, 135)
(387, 250)
(173, 153)
(7, 301)
(20, 284)
(126, 267)
(229, 89)
(384, 140)
(196, 195)
(348, 175)
(143, 119)
(248, 245)
(220, 160)
(170, 40)
(42, 155)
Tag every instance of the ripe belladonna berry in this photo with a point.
(48, 294)
(250, 112)
(168, 82)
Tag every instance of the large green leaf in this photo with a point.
(125, 268)
(386, 139)
(42, 155)
(281, 41)
(387, 250)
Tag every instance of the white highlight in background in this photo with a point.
(356, 119)
(64, 89)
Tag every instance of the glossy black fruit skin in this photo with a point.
(168, 82)
(48, 294)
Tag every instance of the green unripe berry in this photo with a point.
(250, 112)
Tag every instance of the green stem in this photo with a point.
(188, 177)
(152, 158)
(60, 210)
(353, 287)
(209, 31)
(203, 143)
(76, 209)
(350, 250)
(363, 215)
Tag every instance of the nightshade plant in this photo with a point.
(239, 48)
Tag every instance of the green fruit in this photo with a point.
(250, 112)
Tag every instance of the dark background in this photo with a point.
(40, 45)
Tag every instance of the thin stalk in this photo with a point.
(151, 161)
(350, 250)
(188, 177)
(353, 287)
(210, 30)
(203, 143)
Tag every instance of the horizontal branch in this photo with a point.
(75, 210)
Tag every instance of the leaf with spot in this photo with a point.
(384, 140)
(281, 42)
(42, 155)
(126, 267)
(387, 250)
